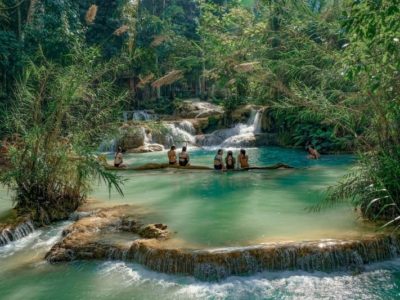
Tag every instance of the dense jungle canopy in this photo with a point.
(327, 69)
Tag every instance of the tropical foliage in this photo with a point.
(56, 122)
(327, 69)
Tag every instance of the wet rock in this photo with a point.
(154, 231)
(198, 109)
(131, 137)
(84, 239)
(147, 148)
(243, 113)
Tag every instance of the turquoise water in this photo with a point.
(209, 209)
(24, 275)
(213, 209)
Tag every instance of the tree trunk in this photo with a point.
(203, 79)
(158, 89)
(19, 29)
(132, 91)
(31, 11)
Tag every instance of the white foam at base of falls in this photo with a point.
(9, 235)
(238, 136)
(180, 134)
(119, 276)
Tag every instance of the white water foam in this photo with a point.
(242, 135)
(266, 285)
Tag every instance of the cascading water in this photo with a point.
(240, 135)
(108, 146)
(181, 133)
(308, 256)
(8, 235)
(139, 115)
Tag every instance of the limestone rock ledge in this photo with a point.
(96, 238)
(91, 237)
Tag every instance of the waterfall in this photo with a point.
(146, 136)
(180, 134)
(217, 264)
(10, 234)
(138, 115)
(141, 115)
(242, 135)
(108, 146)
(257, 122)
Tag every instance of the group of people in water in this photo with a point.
(229, 163)
(220, 163)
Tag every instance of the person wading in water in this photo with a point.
(313, 153)
(243, 159)
(230, 161)
(184, 157)
(172, 156)
(218, 160)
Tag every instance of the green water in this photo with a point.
(208, 209)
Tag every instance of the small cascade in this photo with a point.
(96, 237)
(108, 146)
(117, 253)
(11, 234)
(187, 126)
(242, 135)
(180, 134)
(218, 264)
(147, 138)
(138, 115)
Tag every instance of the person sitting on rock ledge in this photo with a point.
(172, 156)
(243, 159)
(118, 159)
(230, 161)
(184, 157)
(218, 160)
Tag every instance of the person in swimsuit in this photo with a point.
(118, 159)
(313, 153)
(184, 157)
(230, 161)
(172, 156)
(243, 159)
(218, 160)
